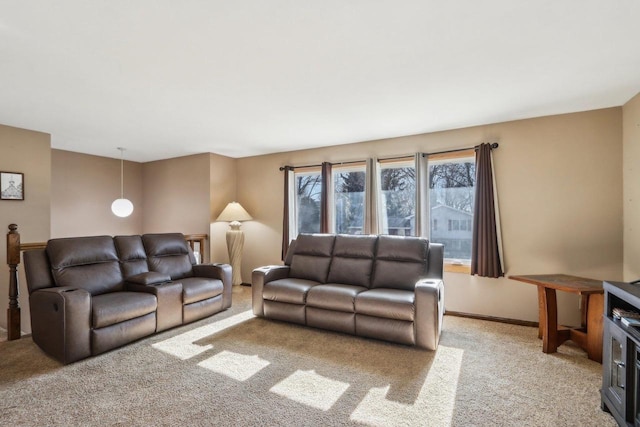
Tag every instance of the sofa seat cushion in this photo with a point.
(387, 303)
(289, 290)
(196, 289)
(115, 307)
(334, 297)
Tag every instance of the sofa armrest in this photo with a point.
(217, 271)
(61, 322)
(435, 261)
(260, 277)
(429, 302)
(169, 297)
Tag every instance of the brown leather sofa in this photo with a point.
(88, 295)
(384, 287)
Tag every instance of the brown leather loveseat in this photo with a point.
(88, 295)
(384, 287)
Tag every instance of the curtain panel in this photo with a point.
(486, 247)
(325, 211)
(374, 216)
(288, 185)
(422, 195)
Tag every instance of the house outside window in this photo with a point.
(398, 198)
(451, 201)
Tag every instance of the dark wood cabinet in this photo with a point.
(621, 355)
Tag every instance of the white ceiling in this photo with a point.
(167, 78)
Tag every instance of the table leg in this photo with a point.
(595, 311)
(550, 331)
(584, 306)
(542, 312)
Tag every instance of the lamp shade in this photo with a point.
(122, 207)
(234, 212)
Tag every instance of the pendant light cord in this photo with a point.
(121, 172)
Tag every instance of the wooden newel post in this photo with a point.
(13, 259)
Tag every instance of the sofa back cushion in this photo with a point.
(400, 262)
(168, 253)
(352, 260)
(133, 258)
(37, 270)
(289, 255)
(89, 263)
(312, 257)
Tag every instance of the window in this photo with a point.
(451, 201)
(349, 199)
(451, 181)
(398, 186)
(308, 187)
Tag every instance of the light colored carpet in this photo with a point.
(234, 369)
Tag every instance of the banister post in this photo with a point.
(13, 260)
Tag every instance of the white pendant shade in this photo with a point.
(122, 207)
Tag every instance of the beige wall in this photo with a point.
(28, 152)
(559, 180)
(222, 190)
(560, 189)
(185, 194)
(631, 174)
(82, 190)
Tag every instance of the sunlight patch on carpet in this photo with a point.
(311, 389)
(239, 367)
(434, 405)
(182, 346)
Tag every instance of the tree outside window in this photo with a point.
(349, 190)
(308, 191)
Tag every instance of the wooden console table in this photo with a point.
(589, 335)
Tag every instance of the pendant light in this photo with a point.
(122, 207)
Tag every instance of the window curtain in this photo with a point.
(486, 247)
(423, 228)
(288, 201)
(374, 219)
(325, 197)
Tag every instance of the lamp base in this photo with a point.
(235, 244)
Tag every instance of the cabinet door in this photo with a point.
(635, 393)
(615, 378)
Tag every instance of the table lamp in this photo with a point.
(234, 213)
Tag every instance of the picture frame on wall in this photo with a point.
(11, 186)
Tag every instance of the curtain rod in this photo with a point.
(317, 166)
(493, 146)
